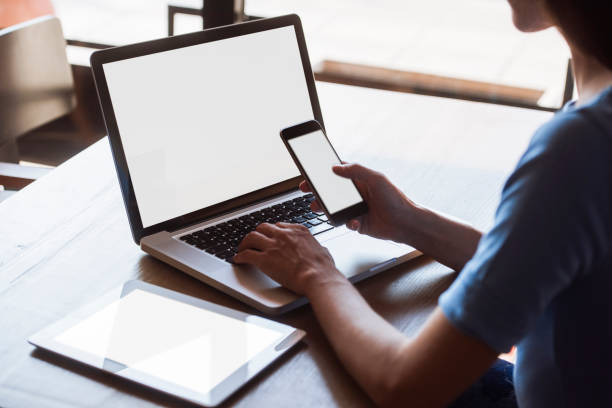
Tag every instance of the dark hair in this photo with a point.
(586, 23)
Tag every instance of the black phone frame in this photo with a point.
(301, 129)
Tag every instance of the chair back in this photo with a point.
(36, 84)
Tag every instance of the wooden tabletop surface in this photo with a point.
(65, 240)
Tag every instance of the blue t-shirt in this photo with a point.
(541, 278)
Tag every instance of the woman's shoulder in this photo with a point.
(585, 129)
(572, 151)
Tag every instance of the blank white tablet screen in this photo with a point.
(200, 125)
(176, 342)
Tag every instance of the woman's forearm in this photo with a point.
(366, 344)
(427, 370)
(450, 242)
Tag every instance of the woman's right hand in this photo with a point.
(389, 210)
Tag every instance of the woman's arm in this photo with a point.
(449, 241)
(430, 369)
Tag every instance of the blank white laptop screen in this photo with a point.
(200, 125)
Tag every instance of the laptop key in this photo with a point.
(234, 242)
(202, 246)
(218, 248)
(206, 238)
(225, 254)
(315, 221)
(307, 224)
(320, 228)
(247, 230)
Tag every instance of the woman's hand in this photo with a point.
(290, 255)
(390, 211)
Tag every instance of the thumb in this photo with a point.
(352, 171)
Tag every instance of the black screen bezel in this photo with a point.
(344, 215)
(99, 58)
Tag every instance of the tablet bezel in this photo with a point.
(45, 339)
(99, 58)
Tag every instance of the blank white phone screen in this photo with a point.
(199, 125)
(317, 157)
(170, 340)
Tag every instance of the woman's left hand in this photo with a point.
(290, 255)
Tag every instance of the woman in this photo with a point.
(540, 278)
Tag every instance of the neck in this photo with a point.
(591, 76)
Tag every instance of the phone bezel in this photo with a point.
(342, 216)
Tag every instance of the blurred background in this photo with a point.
(464, 49)
(467, 39)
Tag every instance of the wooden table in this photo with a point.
(64, 241)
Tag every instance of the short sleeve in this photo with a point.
(552, 224)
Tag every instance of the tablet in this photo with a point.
(181, 345)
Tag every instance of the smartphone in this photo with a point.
(314, 156)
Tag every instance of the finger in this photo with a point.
(267, 229)
(316, 207)
(288, 225)
(249, 256)
(353, 224)
(305, 187)
(354, 171)
(285, 224)
(255, 240)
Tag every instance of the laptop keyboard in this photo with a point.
(222, 240)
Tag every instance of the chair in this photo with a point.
(36, 87)
(214, 13)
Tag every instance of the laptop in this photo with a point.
(193, 123)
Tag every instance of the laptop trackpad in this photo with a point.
(355, 253)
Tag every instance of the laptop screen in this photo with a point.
(200, 124)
